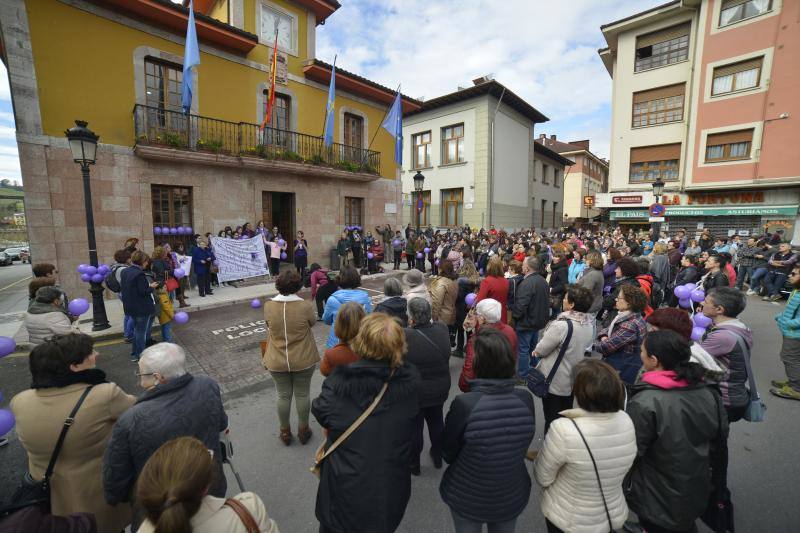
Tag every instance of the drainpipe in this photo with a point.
(490, 183)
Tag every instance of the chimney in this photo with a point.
(483, 79)
(553, 138)
(583, 144)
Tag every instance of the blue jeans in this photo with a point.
(756, 277)
(526, 342)
(465, 525)
(127, 322)
(774, 282)
(141, 332)
(742, 273)
(166, 332)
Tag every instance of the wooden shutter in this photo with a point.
(662, 152)
(731, 3)
(727, 70)
(659, 93)
(729, 137)
(667, 34)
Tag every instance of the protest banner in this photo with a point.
(239, 259)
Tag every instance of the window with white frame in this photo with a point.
(732, 11)
(737, 77)
(729, 146)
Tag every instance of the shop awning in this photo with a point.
(782, 210)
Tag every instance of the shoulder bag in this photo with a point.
(32, 492)
(756, 410)
(596, 473)
(537, 383)
(322, 453)
(244, 515)
(170, 283)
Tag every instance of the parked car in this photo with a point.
(5, 260)
(18, 253)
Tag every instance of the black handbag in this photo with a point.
(537, 383)
(31, 492)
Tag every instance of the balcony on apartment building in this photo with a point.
(164, 134)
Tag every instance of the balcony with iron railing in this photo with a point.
(172, 135)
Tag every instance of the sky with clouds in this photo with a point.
(544, 51)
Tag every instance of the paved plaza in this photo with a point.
(223, 343)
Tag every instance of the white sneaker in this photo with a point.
(750, 292)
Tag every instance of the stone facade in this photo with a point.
(221, 196)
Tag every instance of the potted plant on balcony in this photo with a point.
(210, 145)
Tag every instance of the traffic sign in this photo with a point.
(657, 210)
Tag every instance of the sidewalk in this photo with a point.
(223, 296)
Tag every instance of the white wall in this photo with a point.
(625, 83)
(512, 141)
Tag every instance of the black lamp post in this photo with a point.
(419, 182)
(658, 190)
(83, 143)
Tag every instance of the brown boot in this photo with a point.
(286, 436)
(182, 302)
(304, 434)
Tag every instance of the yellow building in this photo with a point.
(118, 65)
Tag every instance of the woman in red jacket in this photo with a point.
(495, 285)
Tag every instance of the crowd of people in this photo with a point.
(637, 408)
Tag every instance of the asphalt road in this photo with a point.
(224, 344)
(14, 287)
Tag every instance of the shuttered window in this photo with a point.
(658, 106)
(651, 162)
(733, 11)
(663, 47)
(737, 77)
(729, 146)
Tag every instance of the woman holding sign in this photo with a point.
(202, 259)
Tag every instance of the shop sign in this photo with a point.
(632, 199)
(588, 201)
(710, 198)
(707, 211)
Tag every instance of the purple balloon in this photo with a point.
(682, 292)
(98, 278)
(178, 273)
(284, 256)
(78, 306)
(690, 286)
(180, 230)
(697, 333)
(86, 278)
(700, 320)
(420, 255)
(396, 242)
(686, 303)
(215, 263)
(7, 346)
(281, 242)
(157, 230)
(103, 269)
(173, 231)
(697, 295)
(370, 255)
(437, 262)
(255, 303)
(181, 317)
(470, 299)
(164, 230)
(481, 272)
(427, 250)
(91, 270)
(188, 230)
(7, 421)
(82, 268)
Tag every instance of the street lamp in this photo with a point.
(83, 143)
(419, 182)
(658, 190)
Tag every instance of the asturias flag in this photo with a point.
(327, 137)
(191, 58)
(394, 125)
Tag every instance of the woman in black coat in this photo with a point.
(468, 281)
(559, 279)
(687, 274)
(365, 484)
(486, 435)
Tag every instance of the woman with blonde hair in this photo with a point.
(173, 491)
(443, 291)
(348, 320)
(365, 483)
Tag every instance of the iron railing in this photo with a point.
(174, 129)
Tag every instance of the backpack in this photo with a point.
(657, 294)
(111, 281)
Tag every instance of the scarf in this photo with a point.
(39, 308)
(618, 318)
(91, 376)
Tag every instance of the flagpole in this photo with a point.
(364, 155)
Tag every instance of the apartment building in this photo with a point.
(705, 98)
(584, 180)
(475, 149)
(211, 168)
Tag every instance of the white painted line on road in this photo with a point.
(15, 283)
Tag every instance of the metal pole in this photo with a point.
(99, 318)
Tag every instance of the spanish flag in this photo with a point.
(273, 75)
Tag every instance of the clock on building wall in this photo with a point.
(272, 20)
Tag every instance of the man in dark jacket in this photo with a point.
(715, 276)
(429, 350)
(531, 312)
(175, 404)
(137, 301)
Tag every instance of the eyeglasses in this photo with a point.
(140, 374)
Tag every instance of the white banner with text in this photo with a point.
(240, 259)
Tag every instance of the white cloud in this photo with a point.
(5, 89)
(546, 52)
